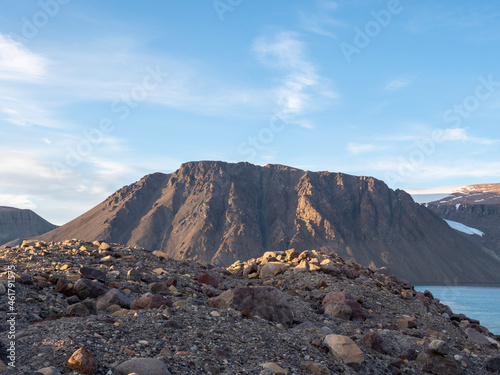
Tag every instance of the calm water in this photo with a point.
(477, 302)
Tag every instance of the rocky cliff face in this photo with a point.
(218, 212)
(17, 224)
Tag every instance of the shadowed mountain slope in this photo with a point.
(16, 224)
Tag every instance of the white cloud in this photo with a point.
(460, 134)
(17, 201)
(400, 82)
(301, 84)
(17, 63)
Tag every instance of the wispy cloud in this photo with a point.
(301, 84)
(460, 134)
(400, 82)
(17, 63)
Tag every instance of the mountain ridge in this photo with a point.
(16, 224)
(219, 212)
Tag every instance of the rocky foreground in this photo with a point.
(98, 308)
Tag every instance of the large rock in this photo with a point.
(113, 297)
(314, 368)
(478, 338)
(92, 274)
(345, 350)
(437, 364)
(85, 288)
(149, 301)
(344, 298)
(83, 361)
(272, 269)
(142, 366)
(264, 301)
(207, 279)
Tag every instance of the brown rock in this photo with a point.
(272, 269)
(264, 301)
(374, 341)
(343, 312)
(149, 301)
(142, 366)
(172, 281)
(344, 298)
(207, 279)
(344, 349)
(83, 361)
(315, 368)
(437, 364)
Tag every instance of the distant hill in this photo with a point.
(17, 224)
(477, 206)
(219, 213)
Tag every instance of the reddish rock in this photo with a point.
(344, 298)
(63, 287)
(264, 301)
(172, 281)
(207, 279)
(423, 299)
(149, 301)
(83, 361)
(437, 364)
(374, 341)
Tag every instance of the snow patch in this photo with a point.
(464, 228)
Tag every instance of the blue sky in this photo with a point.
(94, 95)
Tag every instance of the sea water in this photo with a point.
(476, 302)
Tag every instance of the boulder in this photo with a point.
(344, 298)
(272, 269)
(149, 301)
(113, 297)
(440, 347)
(83, 361)
(343, 312)
(267, 302)
(374, 341)
(85, 288)
(345, 350)
(314, 368)
(92, 274)
(142, 366)
(437, 364)
(207, 279)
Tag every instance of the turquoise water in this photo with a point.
(477, 302)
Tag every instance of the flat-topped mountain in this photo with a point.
(17, 223)
(219, 212)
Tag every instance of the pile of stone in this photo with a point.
(99, 308)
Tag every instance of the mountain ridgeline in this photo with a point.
(16, 224)
(219, 212)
